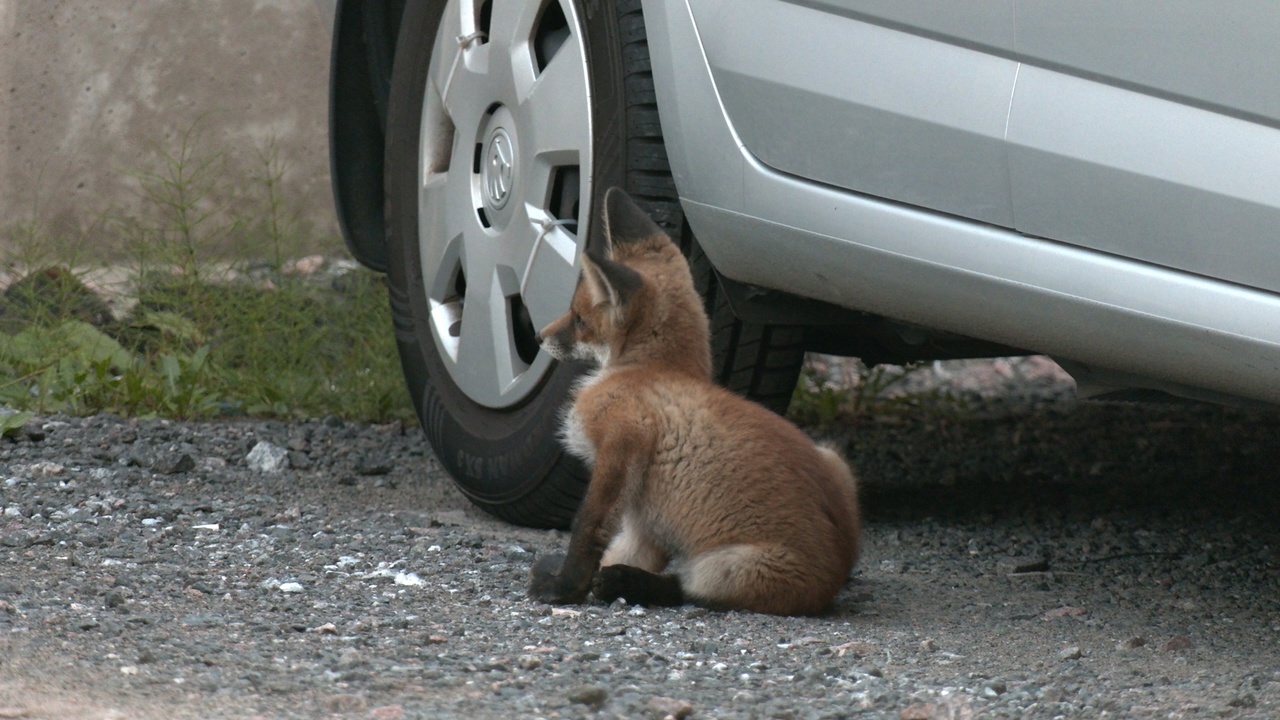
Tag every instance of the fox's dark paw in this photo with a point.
(611, 583)
(637, 586)
(547, 585)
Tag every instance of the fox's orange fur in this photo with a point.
(696, 494)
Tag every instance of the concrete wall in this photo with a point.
(91, 90)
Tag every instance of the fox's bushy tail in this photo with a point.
(849, 484)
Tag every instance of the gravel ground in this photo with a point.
(1061, 560)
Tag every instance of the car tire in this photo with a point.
(503, 449)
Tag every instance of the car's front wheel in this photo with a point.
(508, 120)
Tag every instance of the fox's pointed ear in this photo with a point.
(624, 221)
(609, 282)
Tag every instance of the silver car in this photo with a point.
(1095, 181)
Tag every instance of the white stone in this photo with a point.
(267, 458)
(410, 579)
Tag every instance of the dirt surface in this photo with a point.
(1061, 560)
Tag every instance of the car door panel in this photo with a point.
(1146, 178)
(820, 95)
(1219, 55)
(1149, 131)
(1176, 330)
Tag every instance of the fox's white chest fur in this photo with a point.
(572, 432)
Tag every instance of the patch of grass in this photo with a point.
(863, 393)
(285, 348)
(815, 402)
(213, 331)
(197, 350)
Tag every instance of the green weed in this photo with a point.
(220, 324)
(186, 206)
(11, 422)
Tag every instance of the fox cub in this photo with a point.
(696, 495)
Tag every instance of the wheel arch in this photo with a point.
(364, 43)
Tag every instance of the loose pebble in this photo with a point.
(918, 711)
(592, 696)
(344, 704)
(1063, 612)
(666, 707)
(267, 458)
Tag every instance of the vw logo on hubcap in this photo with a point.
(499, 169)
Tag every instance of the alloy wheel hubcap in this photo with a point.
(504, 157)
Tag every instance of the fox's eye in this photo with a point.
(578, 324)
